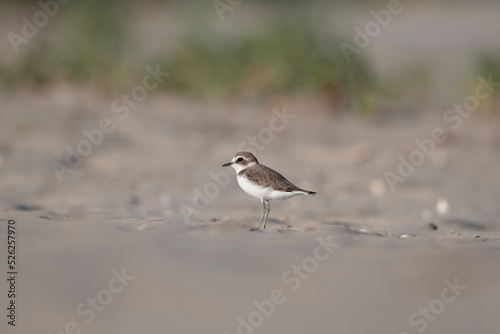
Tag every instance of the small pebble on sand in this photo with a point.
(432, 226)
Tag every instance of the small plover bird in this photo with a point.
(262, 182)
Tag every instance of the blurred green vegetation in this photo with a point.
(90, 50)
(488, 64)
(93, 43)
(289, 56)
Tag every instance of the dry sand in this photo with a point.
(121, 209)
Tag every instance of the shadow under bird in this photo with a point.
(262, 182)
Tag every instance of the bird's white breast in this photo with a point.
(264, 193)
(253, 189)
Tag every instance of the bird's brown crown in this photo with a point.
(244, 158)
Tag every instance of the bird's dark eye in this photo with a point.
(239, 160)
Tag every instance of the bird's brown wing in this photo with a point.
(268, 177)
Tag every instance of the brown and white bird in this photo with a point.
(262, 182)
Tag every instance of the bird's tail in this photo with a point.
(311, 192)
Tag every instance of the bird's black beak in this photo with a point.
(227, 164)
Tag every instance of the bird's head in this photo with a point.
(242, 160)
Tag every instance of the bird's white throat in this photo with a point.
(239, 168)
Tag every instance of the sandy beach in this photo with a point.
(124, 208)
(117, 217)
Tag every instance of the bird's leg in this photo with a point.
(263, 212)
(267, 208)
